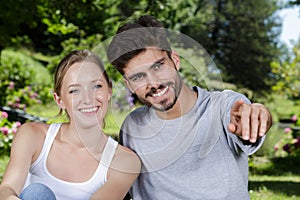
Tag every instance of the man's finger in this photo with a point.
(245, 121)
(254, 115)
(231, 127)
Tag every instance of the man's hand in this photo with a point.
(249, 121)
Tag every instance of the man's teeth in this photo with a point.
(88, 110)
(161, 92)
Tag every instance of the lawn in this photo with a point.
(274, 179)
(268, 187)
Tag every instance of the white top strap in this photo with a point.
(108, 152)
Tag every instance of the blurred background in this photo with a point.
(255, 45)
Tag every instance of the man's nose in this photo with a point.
(152, 81)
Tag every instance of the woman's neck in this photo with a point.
(92, 138)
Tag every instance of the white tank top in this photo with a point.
(64, 190)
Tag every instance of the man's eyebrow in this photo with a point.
(157, 62)
(133, 75)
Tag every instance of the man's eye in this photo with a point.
(137, 77)
(157, 66)
(98, 86)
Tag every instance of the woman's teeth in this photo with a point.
(88, 110)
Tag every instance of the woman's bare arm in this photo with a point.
(25, 147)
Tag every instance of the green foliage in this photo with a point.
(23, 81)
(286, 75)
(241, 36)
(15, 16)
(289, 144)
(7, 131)
(244, 39)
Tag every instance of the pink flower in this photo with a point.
(11, 85)
(4, 130)
(287, 130)
(276, 147)
(14, 130)
(4, 114)
(294, 118)
(18, 124)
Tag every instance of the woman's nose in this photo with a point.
(87, 97)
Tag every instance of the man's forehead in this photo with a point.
(135, 68)
(145, 59)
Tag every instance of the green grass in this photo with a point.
(274, 187)
(275, 178)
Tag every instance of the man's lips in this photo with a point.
(162, 92)
(158, 92)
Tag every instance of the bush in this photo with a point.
(7, 131)
(289, 145)
(23, 81)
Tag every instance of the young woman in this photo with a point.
(74, 160)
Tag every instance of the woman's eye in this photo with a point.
(74, 91)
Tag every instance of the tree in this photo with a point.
(243, 39)
(45, 24)
(286, 75)
(15, 16)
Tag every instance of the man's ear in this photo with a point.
(59, 101)
(128, 85)
(176, 59)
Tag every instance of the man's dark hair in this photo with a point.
(134, 37)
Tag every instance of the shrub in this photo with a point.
(23, 81)
(7, 131)
(289, 145)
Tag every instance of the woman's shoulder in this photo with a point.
(34, 126)
(33, 129)
(29, 138)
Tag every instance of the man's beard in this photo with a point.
(163, 105)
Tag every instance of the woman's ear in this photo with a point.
(176, 59)
(109, 93)
(58, 101)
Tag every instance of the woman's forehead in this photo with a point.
(84, 71)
